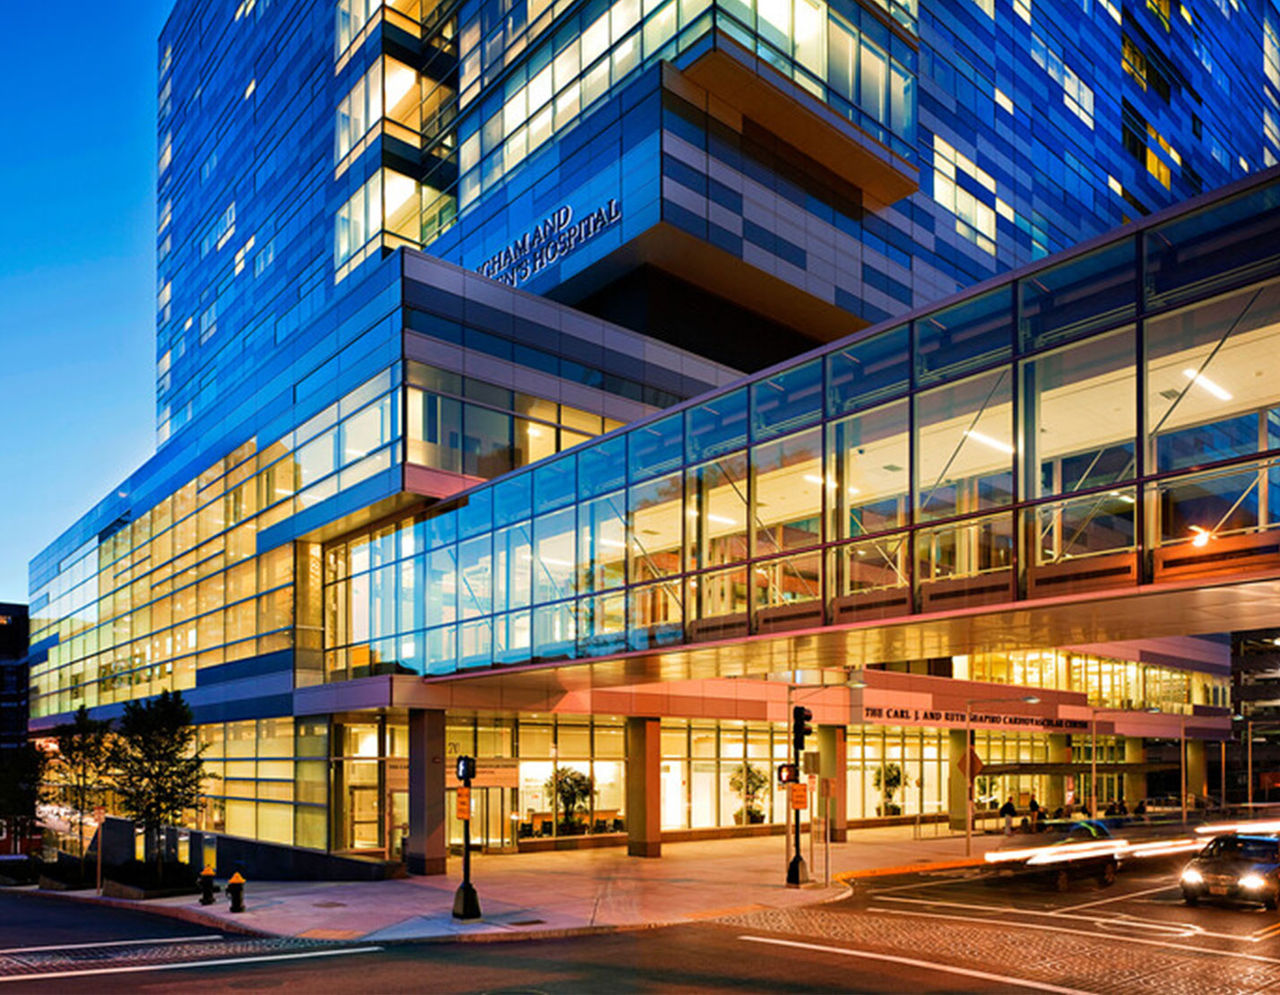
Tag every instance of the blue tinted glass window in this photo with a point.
(965, 336)
(511, 499)
(656, 447)
(1080, 296)
(869, 371)
(554, 484)
(440, 530)
(717, 426)
(1187, 257)
(476, 515)
(786, 401)
(602, 466)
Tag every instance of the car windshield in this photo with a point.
(1243, 849)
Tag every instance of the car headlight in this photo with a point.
(1253, 882)
(1192, 876)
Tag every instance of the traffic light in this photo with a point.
(800, 727)
(788, 774)
(466, 768)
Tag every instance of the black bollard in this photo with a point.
(206, 886)
(235, 892)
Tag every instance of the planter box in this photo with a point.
(114, 889)
(53, 884)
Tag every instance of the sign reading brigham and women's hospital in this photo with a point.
(554, 237)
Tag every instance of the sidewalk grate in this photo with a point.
(37, 963)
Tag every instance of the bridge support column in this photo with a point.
(833, 758)
(957, 785)
(1135, 785)
(1197, 768)
(427, 850)
(644, 788)
(1055, 790)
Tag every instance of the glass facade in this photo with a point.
(1007, 456)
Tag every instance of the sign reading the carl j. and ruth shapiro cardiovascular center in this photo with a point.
(557, 235)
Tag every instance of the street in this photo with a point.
(946, 931)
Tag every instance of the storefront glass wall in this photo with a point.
(266, 779)
(1109, 683)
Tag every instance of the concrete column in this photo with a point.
(957, 784)
(1197, 768)
(428, 847)
(1055, 795)
(833, 757)
(1135, 785)
(644, 788)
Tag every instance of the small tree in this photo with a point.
(748, 781)
(157, 763)
(83, 762)
(22, 788)
(888, 779)
(573, 789)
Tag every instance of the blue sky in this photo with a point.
(77, 264)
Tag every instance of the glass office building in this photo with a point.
(456, 453)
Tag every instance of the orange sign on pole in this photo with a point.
(464, 802)
(799, 796)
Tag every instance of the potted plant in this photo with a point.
(573, 789)
(888, 779)
(748, 781)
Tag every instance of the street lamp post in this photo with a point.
(1029, 699)
(1249, 771)
(1093, 764)
(1182, 761)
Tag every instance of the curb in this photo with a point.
(179, 912)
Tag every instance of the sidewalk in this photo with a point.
(567, 892)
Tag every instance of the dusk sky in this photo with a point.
(77, 265)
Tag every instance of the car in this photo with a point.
(1073, 849)
(1235, 867)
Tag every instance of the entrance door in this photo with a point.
(364, 821)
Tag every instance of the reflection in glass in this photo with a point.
(964, 453)
(867, 467)
(1081, 416)
(717, 516)
(964, 549)
(1085, 526)
(656, 535)
(788, 489)
(1211, 375)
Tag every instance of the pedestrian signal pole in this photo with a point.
(466, 904)
(797, 872)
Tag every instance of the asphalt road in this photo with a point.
(949, 931)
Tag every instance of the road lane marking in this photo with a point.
(1115, 898)
(1190, 929)
(204, 938)
(1267, 932)
(181, 965)
(913, 962)
(1181, 947)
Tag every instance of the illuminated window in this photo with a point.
(1161, 9)
(1158, 168)
(1135, 63)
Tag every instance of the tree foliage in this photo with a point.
(22, 788)
(748, 781)
(157, 764)
(573, 788)
(83, 762)
(888, 778)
